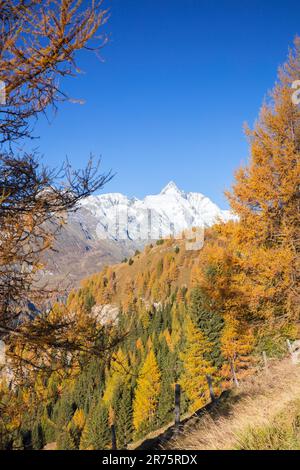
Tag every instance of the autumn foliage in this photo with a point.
(186, 314)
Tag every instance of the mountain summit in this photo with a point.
(107, 228)
(118, 217)
(171, 188)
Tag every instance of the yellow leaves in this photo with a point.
(168, 339)
(266, 197)
(144, 315)
(236, 339)
(147, 392)
(78, 419)
(118, 374)
(195, 366)
(139, 344)
(111, 415)
(237, 343)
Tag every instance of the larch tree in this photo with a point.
(117, 376)
(76, 426)
(196, 366)
(146, 394)
(250, 267)
(38, 43)
(266, 197)
(38, 46)
(237, 343)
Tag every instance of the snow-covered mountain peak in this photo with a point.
(109, 227)
(171, 188)
(116, 217)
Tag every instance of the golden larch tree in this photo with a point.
(147, 393)
(196, 366)
(237, 343)
(266, 194)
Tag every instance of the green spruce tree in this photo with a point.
(124, 427)
(96, 434)
(210, 323)
(37, 437)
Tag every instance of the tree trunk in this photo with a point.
(236, 382)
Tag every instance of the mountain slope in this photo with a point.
(262, 415)
(107, 228)
(152, 275)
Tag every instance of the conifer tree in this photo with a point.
(96, 433)
(250, 268)
(210, 323)
(237, 343)
(37, 436)
(64, 441)
(195, 366)
(166, 401)
(266, 198)
(117, 376)
(89, 301)
(160, 268)
(176, 335)
(167, 364)
(146, 394)
(63, 411)
(124, 427)
(76, 426)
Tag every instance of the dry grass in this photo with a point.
(50, 446)
(261, 414)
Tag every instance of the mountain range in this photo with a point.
(109, 227)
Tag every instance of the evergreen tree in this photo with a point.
(63, 412)
(89, 301)
(88, 383)
(37, 437)
(64, 441)
(210, 323)
(167, 364)
(166, 401)
(124, 427)
(116, 377)
(96, 434)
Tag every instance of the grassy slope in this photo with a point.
(263, 414)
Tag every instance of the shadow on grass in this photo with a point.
(220, 407)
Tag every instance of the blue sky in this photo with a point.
(169, 99)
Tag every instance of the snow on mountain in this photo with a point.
(117, 217)
(110, 227)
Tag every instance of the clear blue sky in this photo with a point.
(168, 102)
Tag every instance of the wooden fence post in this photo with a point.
(235, 379)
(265, 359)
(210, 386)
(289, 346)
(113, 437)
(177, 404)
